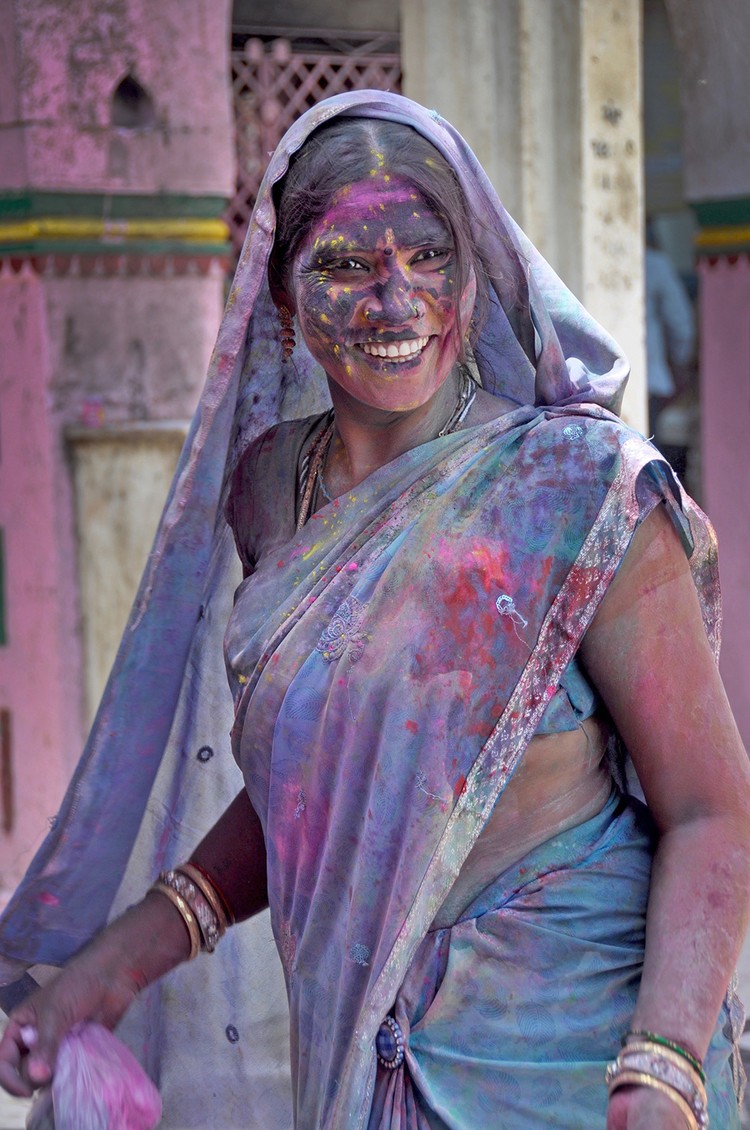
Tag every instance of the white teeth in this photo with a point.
(395, 350)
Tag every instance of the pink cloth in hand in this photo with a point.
(99, 1085)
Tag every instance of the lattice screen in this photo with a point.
(272, 84)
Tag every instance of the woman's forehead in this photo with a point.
(381, 201)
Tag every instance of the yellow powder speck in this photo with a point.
(416, 215)
(386, 176)
(381, 207)
(324, 318)
(349, 370)
(242, 679)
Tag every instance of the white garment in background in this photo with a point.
(670, 323)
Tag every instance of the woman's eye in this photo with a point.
(430, 254)
(349, 265)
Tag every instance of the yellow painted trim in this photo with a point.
(724, 236)
(66, 228)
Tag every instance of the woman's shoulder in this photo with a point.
(263, 484)
(579, 439)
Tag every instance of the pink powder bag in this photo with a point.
(98, 1085)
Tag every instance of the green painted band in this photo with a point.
(94, 248)
(109, 206)
(722, 213)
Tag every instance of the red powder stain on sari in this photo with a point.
(412, 727)
(459, 786)
(49, 899)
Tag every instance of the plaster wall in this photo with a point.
(712, 41)
(12, 150)
(40, 661)
(64, 63)
(341, 15)
(725, 369)
(130, 348)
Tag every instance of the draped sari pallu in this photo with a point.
(390, 663)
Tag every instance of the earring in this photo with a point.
(287, 332)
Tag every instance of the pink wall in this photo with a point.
(725, 370)
(40, 663)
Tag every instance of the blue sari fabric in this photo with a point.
(512, 1014)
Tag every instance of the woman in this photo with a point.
(453, 598)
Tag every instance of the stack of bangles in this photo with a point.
(648, 1060)
(204, 911)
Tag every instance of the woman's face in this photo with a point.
(374, 290)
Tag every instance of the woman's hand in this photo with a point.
(643, 1108)
(99, 984)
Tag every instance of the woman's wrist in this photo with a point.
(147, 941)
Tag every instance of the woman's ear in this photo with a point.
(279, 291)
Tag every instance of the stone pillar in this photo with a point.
(116, 159)
(548, 94)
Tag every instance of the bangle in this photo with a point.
(195, 869)
(209, 892)
(665, 1068)
(210, 928)
(191, 922)
(640, 1079)
(674, 1047)
(669, 1068)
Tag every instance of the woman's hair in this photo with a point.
(340, 153)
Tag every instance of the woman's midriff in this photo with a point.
(563, 780)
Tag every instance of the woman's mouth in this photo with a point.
(397, 351)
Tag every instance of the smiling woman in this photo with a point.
(472, 599)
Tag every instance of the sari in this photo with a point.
(318, 622)
(390, 662)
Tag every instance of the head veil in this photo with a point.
(156, 772)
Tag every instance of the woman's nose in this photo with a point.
(394, 302)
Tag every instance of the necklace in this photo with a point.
(466, 397)
(312, 473)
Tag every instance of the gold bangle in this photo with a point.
(209, 892)
(208, 923)
(191, 922)
(636, 1047)
(640, 1079)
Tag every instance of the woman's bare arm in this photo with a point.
(142, 945)
(648, 655)
(233, 854)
